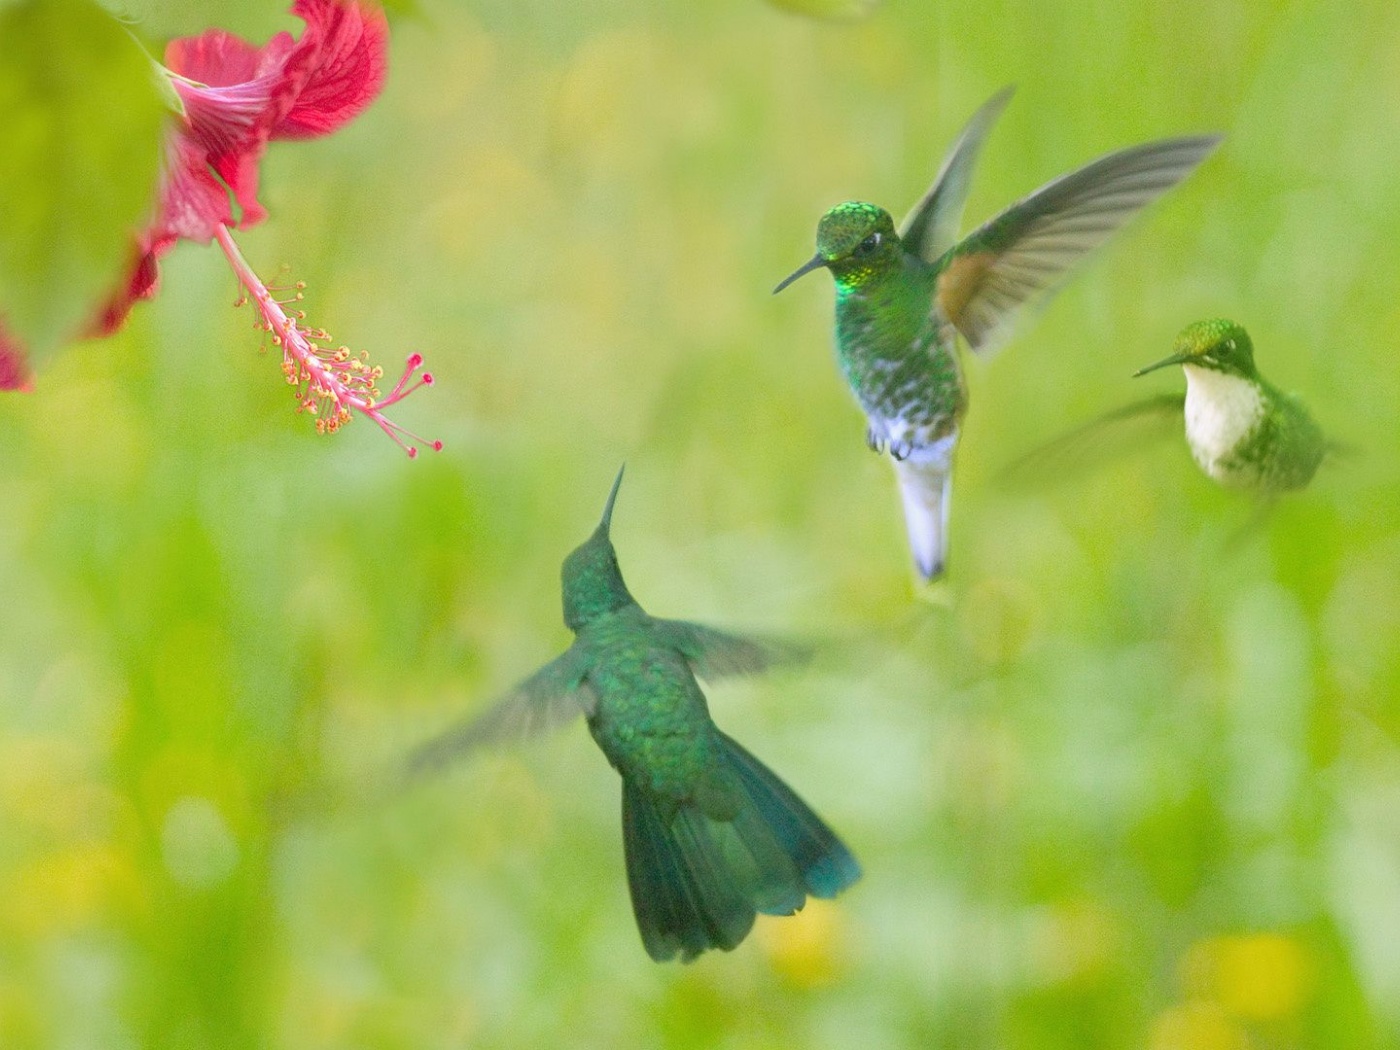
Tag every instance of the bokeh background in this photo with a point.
(1130, 779)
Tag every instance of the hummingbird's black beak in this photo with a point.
(811, 264)
(606, 524)
(1175, 359)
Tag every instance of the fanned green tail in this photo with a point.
(699, 879)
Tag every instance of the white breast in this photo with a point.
(1221, 411)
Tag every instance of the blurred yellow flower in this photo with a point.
(1073, 942)
(809, 948)
(61, 891)
(1195, 1026)
(1252, 976)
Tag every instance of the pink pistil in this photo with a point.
(330, 381)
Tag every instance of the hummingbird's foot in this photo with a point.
(900, 450)
(873, 440)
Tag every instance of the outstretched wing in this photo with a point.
(1099, 440)
(1026, 250)
(549, 698)
(931, 228)
(717, 654)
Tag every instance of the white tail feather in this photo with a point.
(926, 488)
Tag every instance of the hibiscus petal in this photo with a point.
(245, 94)
(141, 284)
(226, 131)
(230, 107)
(14, 372)
(241, 174)
(335, 71)
(193, 202)
(216, 58)
(227, 119)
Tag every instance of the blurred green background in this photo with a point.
(1125, 784)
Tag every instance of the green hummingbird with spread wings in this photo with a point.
(904, 295)
(711, 836)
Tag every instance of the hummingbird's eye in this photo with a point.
(868, 245)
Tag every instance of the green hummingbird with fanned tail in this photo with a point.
(711, 836)
(904, 295)
(1243, 431)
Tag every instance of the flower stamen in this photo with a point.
(329, 381)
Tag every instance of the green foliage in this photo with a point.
(80, 116)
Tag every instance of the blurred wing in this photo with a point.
(715, 654)
(549, 698)
(1099, 440)
(1264, 505)
(931, 228)
(1026, 250)
(1343, 450)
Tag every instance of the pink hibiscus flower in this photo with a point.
(236, 98)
